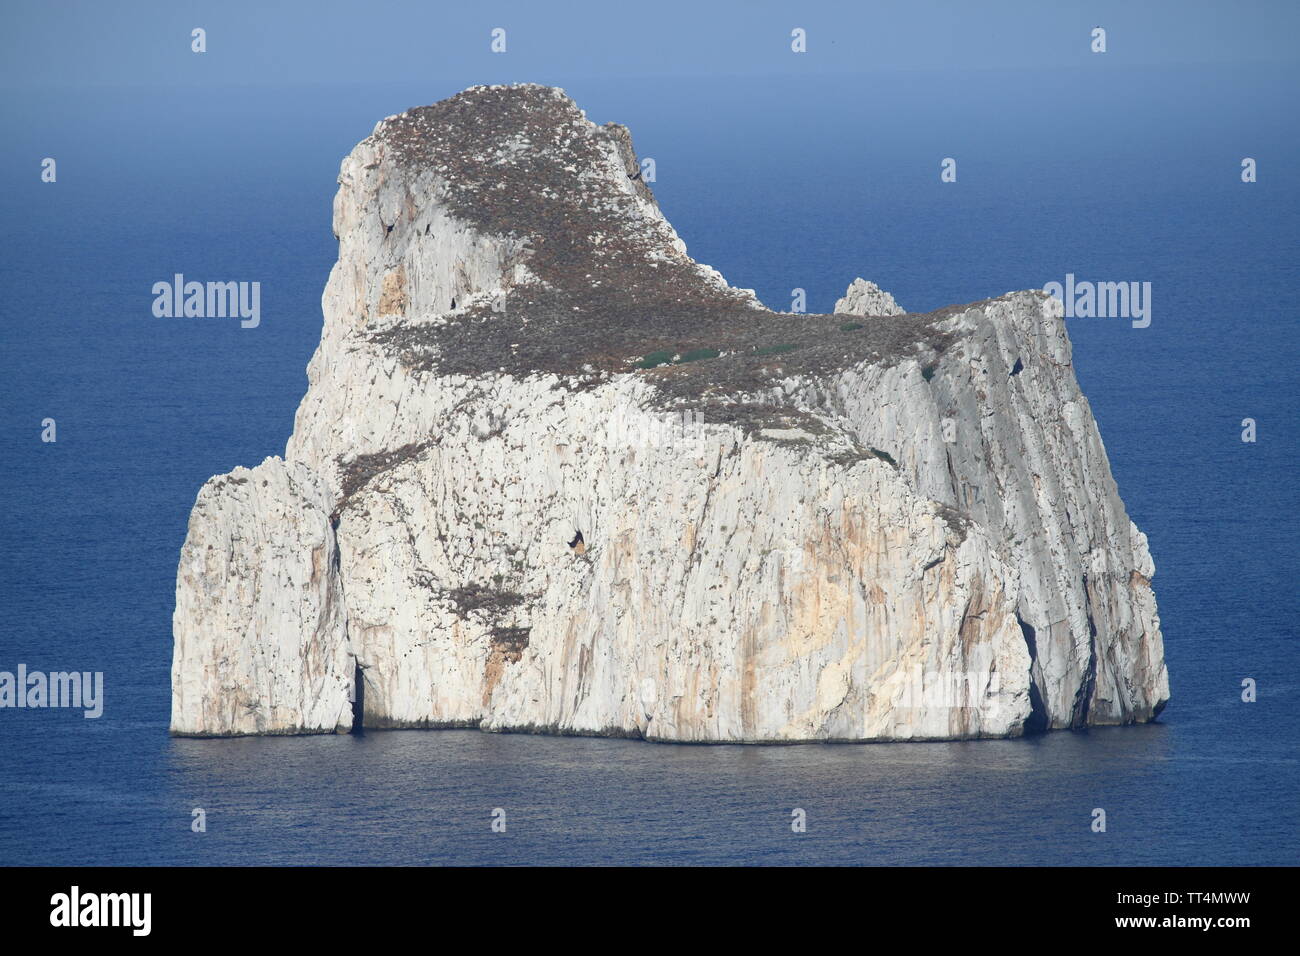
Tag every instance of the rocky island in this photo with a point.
(553, 475)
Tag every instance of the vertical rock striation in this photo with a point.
(552, 475)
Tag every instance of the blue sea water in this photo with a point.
(781, 182)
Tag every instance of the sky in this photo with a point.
(90, 43)
(255, 127)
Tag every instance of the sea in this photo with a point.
(783, 183)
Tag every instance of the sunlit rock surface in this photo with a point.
(260, 630)
(867, 298)
(552, 475)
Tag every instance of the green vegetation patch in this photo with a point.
(655, 359)
(883, 456)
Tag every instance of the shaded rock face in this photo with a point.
(552, 475)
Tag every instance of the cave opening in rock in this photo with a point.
(1036, 722)
(578, 545)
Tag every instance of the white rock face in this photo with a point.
(866, 298)
(260, 628)
(552, 475)
(727, 589)
(998, 429)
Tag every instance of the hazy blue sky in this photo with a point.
(91, 42)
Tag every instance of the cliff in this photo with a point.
(551, 474)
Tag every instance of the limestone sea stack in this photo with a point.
(553, 475)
